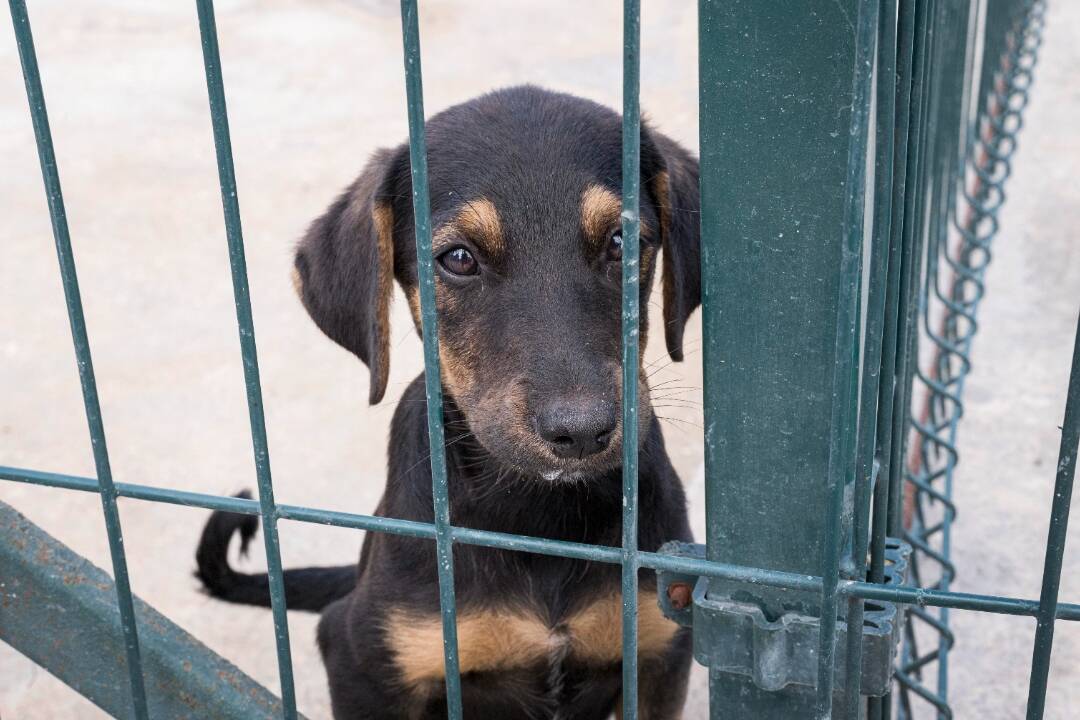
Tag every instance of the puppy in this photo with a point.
(525, 206)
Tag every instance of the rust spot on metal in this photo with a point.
(230, 678)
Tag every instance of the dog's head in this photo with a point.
(525, 204)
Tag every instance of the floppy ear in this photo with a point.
(344, 268)
(673, 182)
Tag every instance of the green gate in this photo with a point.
(822, 426)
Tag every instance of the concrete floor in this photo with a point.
(313, 88)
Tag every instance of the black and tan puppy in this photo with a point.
(525, 187)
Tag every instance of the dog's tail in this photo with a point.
(305, 588)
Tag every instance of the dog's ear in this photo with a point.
(672, 176)
(344, 266)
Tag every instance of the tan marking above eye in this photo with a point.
(478, 220)
(504, 639)
(601, 211)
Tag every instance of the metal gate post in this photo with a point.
(781, 281)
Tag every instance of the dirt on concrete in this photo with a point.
(314, 87)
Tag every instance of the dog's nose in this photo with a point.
(576, 428)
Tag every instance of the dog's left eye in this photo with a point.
(614, 249)
(459, 261)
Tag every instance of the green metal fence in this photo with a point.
(967, 174)
(826, 437)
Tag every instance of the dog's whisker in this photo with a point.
(680, 420)
(678, 406)
(668, 385)
(427, 457)
(679, 395)
(669, 381)
(684, 402)
(658, 359)
(669, 362)
(670, 390)
(652, 372)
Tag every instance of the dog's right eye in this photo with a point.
(459, 261)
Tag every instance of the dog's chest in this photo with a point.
(503, 639)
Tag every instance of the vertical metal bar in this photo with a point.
(881, 708)
(873, 344)
(766, 453)
(911, 262)
(843, 412)
(903, 41)
(215, 89)
(631, 272)
(35, 95)
(912, 249)
(890, 387)
(925, 234)
(894, 62)
(432, 383)
(1055, 541)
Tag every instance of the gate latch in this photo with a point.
(736, 637)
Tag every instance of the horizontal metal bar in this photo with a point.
(559, 548)
(228, 504)
(952, 599)
(371, 523)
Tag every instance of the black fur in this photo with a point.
(543, 323)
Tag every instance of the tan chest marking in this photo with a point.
(506, 639)
(487, 640)
(596, 631)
